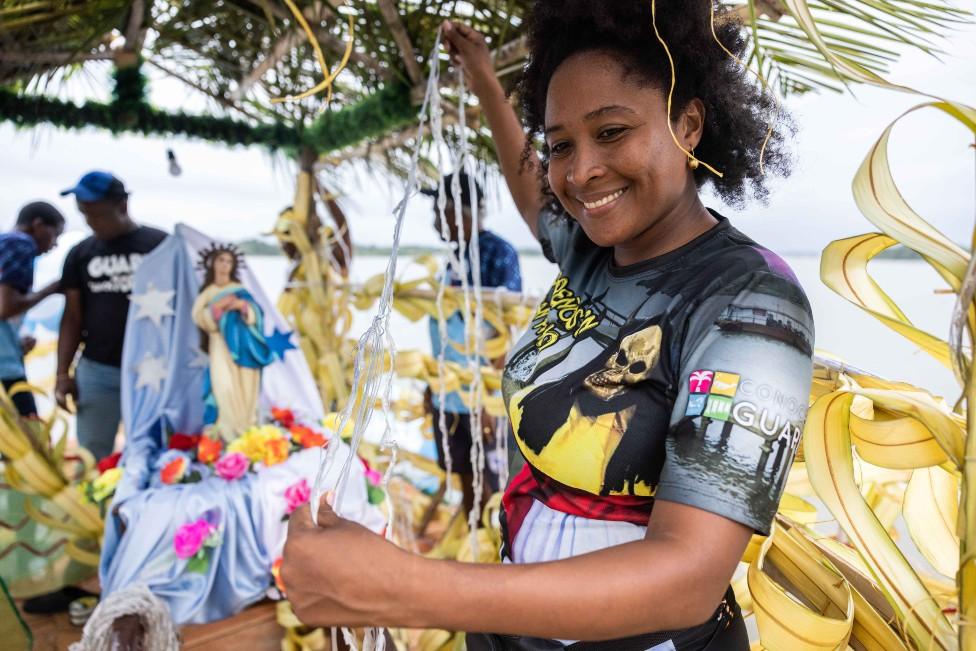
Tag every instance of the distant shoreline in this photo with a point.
(255, 247)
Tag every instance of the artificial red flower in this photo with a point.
(109, 462)
(306, 436)
(285, 417)
(208, 449)
(185, 442)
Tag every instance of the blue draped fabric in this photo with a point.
(245, 341)
(146, 514)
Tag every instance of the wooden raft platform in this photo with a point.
(254, 629)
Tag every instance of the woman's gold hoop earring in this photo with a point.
(692, 161)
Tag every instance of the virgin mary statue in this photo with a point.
(232, 325)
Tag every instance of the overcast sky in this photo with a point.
(236, 193)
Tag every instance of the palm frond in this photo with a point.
(869, 33)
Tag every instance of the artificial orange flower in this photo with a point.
(275, 451)
(276, 573)
(173, 471)
(208, 449)
(306, 437)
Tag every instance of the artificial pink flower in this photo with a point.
(297, 495)
(232, 466)
(190, 538)
(374, 477)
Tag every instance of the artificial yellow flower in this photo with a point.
(275, 451)
(253, 443)
(104, 485)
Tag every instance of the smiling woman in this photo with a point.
(658, 396)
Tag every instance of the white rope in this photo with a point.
(370, 351)
(473, 326)
(501, 422)
(160, 634)
(369, 378)
(450, 261)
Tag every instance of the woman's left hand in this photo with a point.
(339, 573)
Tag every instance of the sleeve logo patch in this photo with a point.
(696, 404)
(725, 384)
(700, 381)
(718, 408)
(711, 394)
(716, 383)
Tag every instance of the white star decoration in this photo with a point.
(151, 372)
(153, 304)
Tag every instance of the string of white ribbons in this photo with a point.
(370, 381)
(474, 327)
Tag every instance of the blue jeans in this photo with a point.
(99, 406)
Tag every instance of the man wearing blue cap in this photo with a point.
(39, 224)
(97, 281)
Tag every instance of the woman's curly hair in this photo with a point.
(738, 112)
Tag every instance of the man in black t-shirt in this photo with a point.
(97, 281)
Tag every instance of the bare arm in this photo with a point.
(469, 50)
(340, 573)
(69, 338)
(13, 303)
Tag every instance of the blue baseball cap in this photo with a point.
(96, 186)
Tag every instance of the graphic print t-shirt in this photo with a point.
(103, 270)
(683, 378)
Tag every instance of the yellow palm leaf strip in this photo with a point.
(893, 442)
(801, 603)
(878, 198)
(966, 577)
(52, 522)
(873, 615)
(830, 465)
(325, 84)
(667, 51)
(843, 268)
(312, 40)
(946, 427)
(931, 509)
(82, 555)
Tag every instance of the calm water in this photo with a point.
(842, 329)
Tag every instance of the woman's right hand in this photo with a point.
(469, 50)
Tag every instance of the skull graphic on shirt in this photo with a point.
(628, 365)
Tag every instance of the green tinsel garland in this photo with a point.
(384, 111)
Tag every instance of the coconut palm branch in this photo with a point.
(239, 54)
